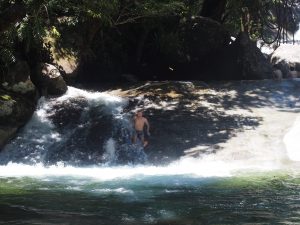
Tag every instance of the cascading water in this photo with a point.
(72, 164)
(80, 128)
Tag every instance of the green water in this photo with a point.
(247, 199)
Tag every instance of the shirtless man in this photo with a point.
(139, 123)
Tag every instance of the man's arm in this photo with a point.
(148, 125)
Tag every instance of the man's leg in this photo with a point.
(140, 136)
(146, 137)
(144, 141)
(134, 137)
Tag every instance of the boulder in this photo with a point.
(48, 80)
(202, 36)
(17, 72)
(17, 80)
(242, 60)
(22, 87)
(15, 110)
(283, 67)
(182, 50)
(286, 58)
(6, 133)
(68, 64)
(18, 99)
(252, 62)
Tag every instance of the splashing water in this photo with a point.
(76, 128)
(291, 141)
(110, 151)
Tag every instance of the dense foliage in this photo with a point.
(117, 32)
(271, 20)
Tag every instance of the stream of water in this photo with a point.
(254, 180)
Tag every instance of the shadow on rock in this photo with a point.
(192, 118)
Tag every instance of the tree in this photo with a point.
(11, 14)
(270, 20)
(214, 9)
(121, 29)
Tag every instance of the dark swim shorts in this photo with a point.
(139, 133)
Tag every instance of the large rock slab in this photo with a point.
(187, 119)
(196, 119)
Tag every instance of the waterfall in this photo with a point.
(110, 151)
(90, 129)
(79, 128)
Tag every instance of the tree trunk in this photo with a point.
(213, 9)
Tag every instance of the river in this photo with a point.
(254, 180)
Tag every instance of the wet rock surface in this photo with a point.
(15, 111)
(85, 130)
(194, 118)
(191, 119)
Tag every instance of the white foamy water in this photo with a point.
(192, 167)
(97, 96)
(211, 166)
(291, 141)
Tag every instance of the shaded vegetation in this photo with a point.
(111, 38)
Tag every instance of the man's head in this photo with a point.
(139, 113)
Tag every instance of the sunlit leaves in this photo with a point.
(6, 56)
